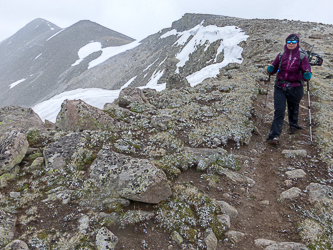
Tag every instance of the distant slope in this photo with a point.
(38, 58)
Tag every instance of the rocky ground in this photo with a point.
(185, 168)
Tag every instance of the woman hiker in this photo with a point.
(293, 68)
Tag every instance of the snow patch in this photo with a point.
(200, 35)
(128, 83)
(54, 35)
(94, 96)
(86, 51)
(38, 56)
(12, 85)
(112, 51)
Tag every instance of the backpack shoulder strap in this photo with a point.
(280, 57)
(302, 54)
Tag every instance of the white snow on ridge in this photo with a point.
(54, 35)
(106, 52)
(12, 85)
(230, 37)
(128, 83)
(94, 96)
(112, 51)
(86, 51)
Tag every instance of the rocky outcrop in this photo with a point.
(13, 148)
(7, 228)
(59, 153)
(105, 239)
(20, 119)
(287, 246)
(320, 193)
(76, 115)
(133, 179)
(130, 96)
(17, 245)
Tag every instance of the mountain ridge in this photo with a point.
(42, 56)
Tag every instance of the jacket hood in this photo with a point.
(290, 36)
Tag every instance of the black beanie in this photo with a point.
(292, 37)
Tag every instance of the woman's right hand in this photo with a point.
(270, 68)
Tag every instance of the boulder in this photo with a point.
(19, 119)
(7, 228)
(210, 239)
(127, 96)
(287, 246)
(228, 209)
(177, 81)
(263, 242)
(294, 153)
(235, 236)
(131, 178)
(319, 193)
(59, 153)
(17, 245)
(13, 147)
(291, 193)
(296, 174)
(76, 115)
(105, 239)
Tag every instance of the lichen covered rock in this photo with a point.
(13, 147)
(7, 228)
(134, 179)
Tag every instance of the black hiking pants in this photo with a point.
(291, 97)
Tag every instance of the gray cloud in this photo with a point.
(140, 18)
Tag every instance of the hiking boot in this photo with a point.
(293, 129)
(274, 141)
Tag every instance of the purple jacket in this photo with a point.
(291, 69)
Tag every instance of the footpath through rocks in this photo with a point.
(272, 210)
(264, 203)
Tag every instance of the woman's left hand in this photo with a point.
(307, 75)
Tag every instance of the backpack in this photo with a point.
(317, 62)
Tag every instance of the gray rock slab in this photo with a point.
(7, 228)
(224, 219)
(210, 239)
(228, 209)
(238, 178)
(291, 193)
(176, 237)
(131, 178)
(235, 236)
(58, 154)
(296, 174)
(294, 153)
(76, 115)
(105, 239)
(13, 147)
(287, 246)
(17, 245)
(319, 193)
(263, 242)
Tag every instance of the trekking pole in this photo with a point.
(267, 80)
(308, 89)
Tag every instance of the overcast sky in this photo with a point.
(141, 18)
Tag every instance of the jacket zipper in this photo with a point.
(289, 64)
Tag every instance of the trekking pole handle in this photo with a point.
(307, 82)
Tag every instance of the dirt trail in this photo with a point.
(261, 213)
